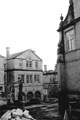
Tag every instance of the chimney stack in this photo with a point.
(45, 68)
(7, 52)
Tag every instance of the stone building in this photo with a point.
(68, 61)
(2, 61)
(50, 83)
(26, 67)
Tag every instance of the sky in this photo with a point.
(32, 24)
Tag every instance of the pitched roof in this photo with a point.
(36, 55)
(13, 56)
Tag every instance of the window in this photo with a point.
(28, 78)
(5, 66)
(5, 77)
(0, 88)
(50, 80)
(28, 63)
(20, 63)
(70, 40)
(37, 78)
(36, 64)
(21, 78)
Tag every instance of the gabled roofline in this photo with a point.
(64, 23)
(13, 56)
(36, 55)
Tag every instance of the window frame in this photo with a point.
(36, 64)
(29, 63)
(69, 43)
(37, 78)
(29, 78)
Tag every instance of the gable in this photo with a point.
(70, 14)
(73, 12)
(29, 54)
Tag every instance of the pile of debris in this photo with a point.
(17, 114)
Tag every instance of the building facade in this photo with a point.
(68, 62)
(2, 87)
(26, 67)
(50, 83)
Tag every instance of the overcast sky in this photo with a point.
(31, 24)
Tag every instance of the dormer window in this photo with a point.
(70, 40)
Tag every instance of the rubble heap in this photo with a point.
(17, 114)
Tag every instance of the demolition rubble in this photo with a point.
(17, 114)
